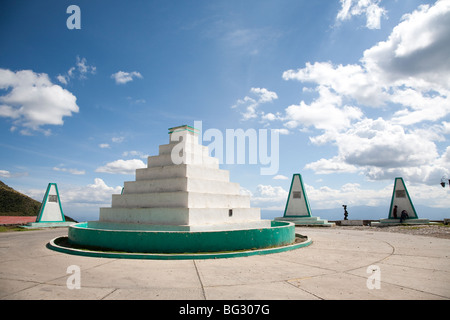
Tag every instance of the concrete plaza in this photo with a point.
(334, 266)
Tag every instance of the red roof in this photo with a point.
(16, 219)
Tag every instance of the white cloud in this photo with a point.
(122, 77)
(280, 177)
(69, 170)
(117, 139)
(370, 8)
(416, 52)
(245, 192)
(382, 144)
(113, 139)
(250, 105)
(411, 68)
(84, 68)
(269, 197)
(122, 166)
(428, 173)
(406, 77)
(62, 79)
(325, 113)
(446, 127)
(383, 150)
(134, 153)
(350, 194)
(333, 165)
(96, 193)
(353, 195)
(5, 174)
(264, 94)
(349, 81)
(34, 101)
(283, 131)
(81, 69)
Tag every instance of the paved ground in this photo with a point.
(334, 267)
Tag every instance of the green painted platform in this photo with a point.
(54, 244)
(38, 225)
(153, 244)
(307, 221)
(396, 222)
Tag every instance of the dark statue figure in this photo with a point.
(345, 212)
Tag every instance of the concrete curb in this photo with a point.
(154, 256)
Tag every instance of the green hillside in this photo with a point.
(14, 203)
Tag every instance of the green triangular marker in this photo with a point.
(297, 208)
(401, 201)
(51, 209)
(297, 204)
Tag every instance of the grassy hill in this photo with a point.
(14, 203)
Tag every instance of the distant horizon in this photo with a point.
(332, 214)
(360, 213)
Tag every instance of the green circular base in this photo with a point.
(54, 245)
(99, 239)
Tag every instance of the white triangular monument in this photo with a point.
(297, 204)
(402, 210)
(401, 201)
(51, 209)
(51, 213)
(297, 208)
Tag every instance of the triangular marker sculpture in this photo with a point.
(51, 209)
(297, 208)
(297, 204)
(51, 213)
(401, 201)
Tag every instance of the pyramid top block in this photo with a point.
(184, 133)
(183, 128)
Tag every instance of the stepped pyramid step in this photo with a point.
(181, 184)
(167, 160)
(182, 199)
(179, 216)
(182, 170)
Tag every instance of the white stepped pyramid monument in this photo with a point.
(51, 212)
(183, 203)
(297, 208)
(401, 204)
(183, 187)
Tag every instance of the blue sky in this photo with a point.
(358, 91)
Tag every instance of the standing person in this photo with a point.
(395, 212)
